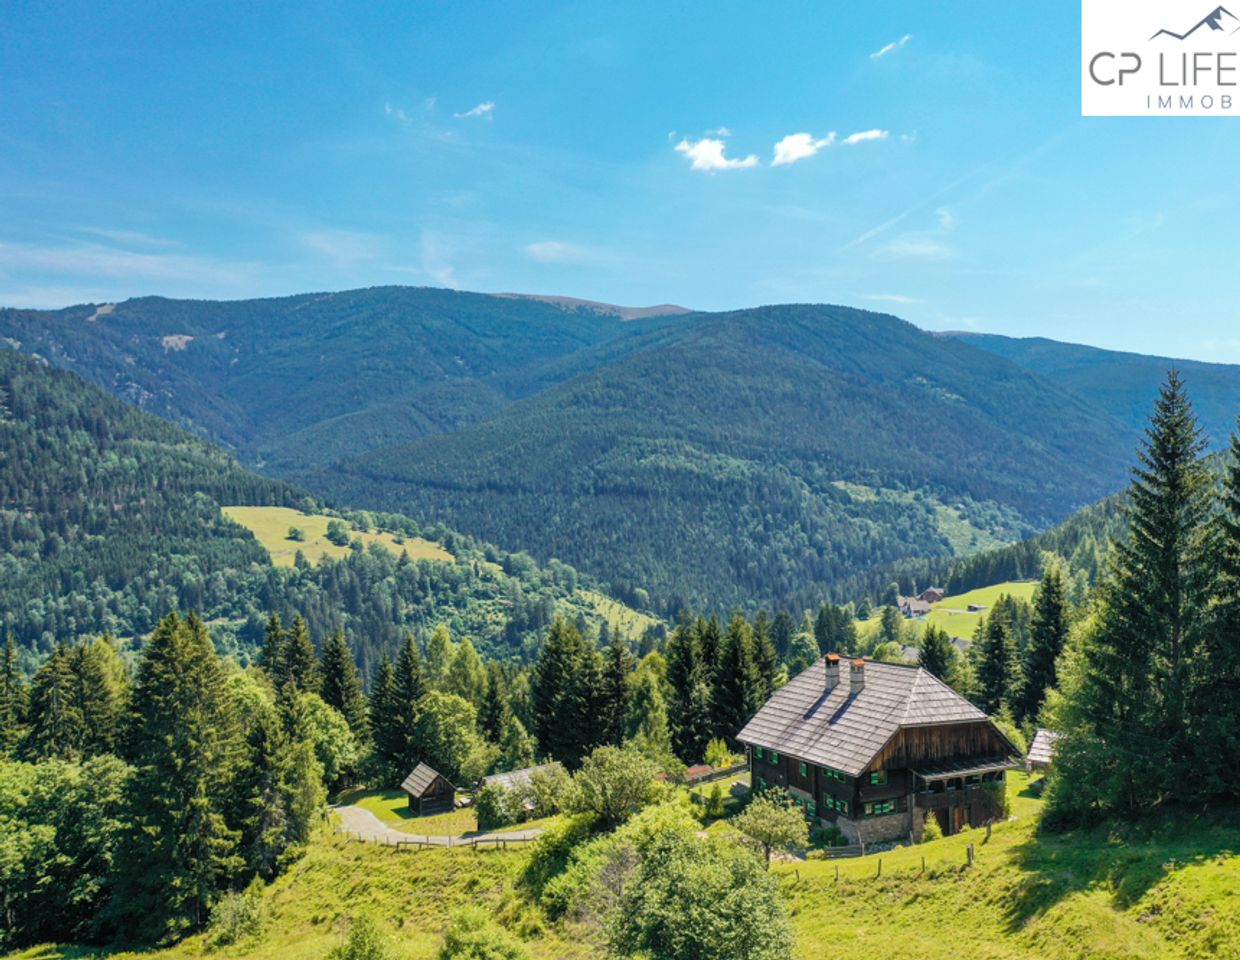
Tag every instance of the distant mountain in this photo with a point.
(740, 457)
(111, 517)
(610, 309)
(1124, 384)
(287, 382)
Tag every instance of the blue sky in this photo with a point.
(604, 151)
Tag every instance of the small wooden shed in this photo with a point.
(429, 792)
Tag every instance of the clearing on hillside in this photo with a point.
(271, 527)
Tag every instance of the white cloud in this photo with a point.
(95, 260)
(798, 146)
(719, 132)
(397, 112)
(891, 298)
(891, 47)
(483, 109)
(343, 247)
(556, 251)
(707, 154)
(947, 219)
(864, 135)
(129, 237)
(917, 247)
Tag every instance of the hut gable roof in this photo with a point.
(420, 780)
(845, 730)
(1042, 749)
(515, 778)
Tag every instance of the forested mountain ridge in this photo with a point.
(284, 381)
(111, 517)
(739, 457)
(1124, 384)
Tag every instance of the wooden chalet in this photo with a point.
(429, 792)
(876, 752)
(912, 607)
(932, 595)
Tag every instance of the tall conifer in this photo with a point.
(340, 687)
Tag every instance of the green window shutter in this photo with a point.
(804, 770)
(774, 757)
(757, 752)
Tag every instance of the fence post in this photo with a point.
(923, 863)
(880, 866)
(837, 873)
(969, 852)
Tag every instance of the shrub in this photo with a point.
(337, 533)
(236, 915)
(614, 783)
(931, 830)
(366, 942)
(822, 837)
(714, 802)
(296, 533)
(472, 935)
(492, 804)
(552, 850)
(718, 755)
(772, 822)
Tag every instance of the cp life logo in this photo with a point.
(1159, 58)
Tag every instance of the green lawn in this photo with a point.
(392, 807)
(270, 525)
(952, 613)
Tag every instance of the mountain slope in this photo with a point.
(110, 517)
(735, 458)
(288, 381)
(1124, 384)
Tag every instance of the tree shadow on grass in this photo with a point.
(1126, 859)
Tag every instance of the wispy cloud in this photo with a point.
(891, 47)
(891, 298)
(798, 146)
(916, 247)
(864, 135)
(707, 154)
(131, 237)
(96, 260)
(344, 248)
(397, 112)
(719, 132)
(557, 251)
(484, 109)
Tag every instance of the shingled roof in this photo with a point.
(1042, 750)
(515, 778)
(420, 780)
(845, 731)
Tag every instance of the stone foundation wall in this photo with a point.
(891, 826)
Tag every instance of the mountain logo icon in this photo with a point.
(1218, 19)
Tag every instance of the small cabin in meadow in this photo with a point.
(931, 595)
(1042, 751)
(429, 792)
(879, 751)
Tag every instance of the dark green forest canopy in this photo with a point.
(110, 519)
(720, 463)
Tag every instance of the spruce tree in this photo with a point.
(493, 717)
(12, 699)
(1048, 631)
(684, 674)
(177, 851)
(1130, 741)
(765, 659)
(271, 656)
(783, 629)
(614, 690)
(710, 647)
(102, 694)
(936, 654)
(466, 675)
(565, 692)
(341, 688)
(390, 727)
(57, 729)
(301, 666)
(997, 668)
(259, 807)
(409, 687)
(647, 721)
(738, 687)
(1217, 673)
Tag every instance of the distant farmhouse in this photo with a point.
(1042, 751)
(932, 595)
(913, 607)
(429, 792)
(875, 753)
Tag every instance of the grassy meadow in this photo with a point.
(952, 613)
(392, 807)
(620, 618)
(271, 525)
(1167, 889)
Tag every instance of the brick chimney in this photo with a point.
(833, 671)
(857, 676)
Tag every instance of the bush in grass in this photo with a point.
(473, 935)
(297, 534)
(822, 837)
(550, 791)
(614, 783)
(714, 802)
(773, 823)
(366, 942)
(337, 533)
(551, 851)
(236, 915)
(492, 804)
(931, 830)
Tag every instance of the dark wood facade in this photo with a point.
(892, 783)
(429, 792)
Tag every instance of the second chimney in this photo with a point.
(857, 676)
(833, 671)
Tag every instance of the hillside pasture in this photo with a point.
(271, 526)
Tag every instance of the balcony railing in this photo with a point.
(931, 800)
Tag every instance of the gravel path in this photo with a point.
(364, 824)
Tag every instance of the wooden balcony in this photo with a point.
(929, 800)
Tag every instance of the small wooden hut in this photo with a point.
(429, 792)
